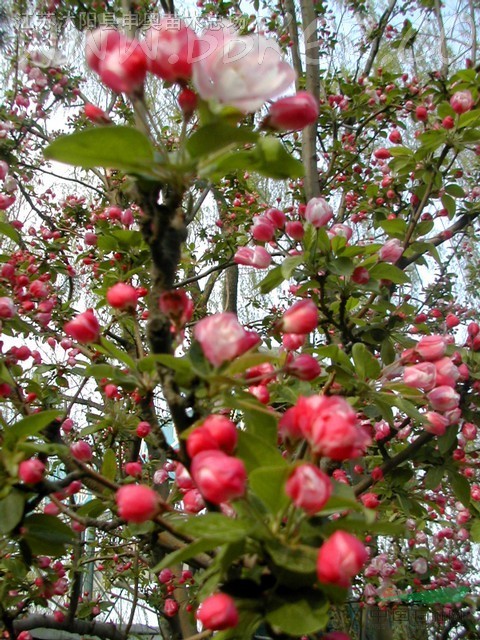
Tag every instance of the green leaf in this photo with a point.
(475, 530)
(366, 365)
(217, 135)
(294, 566)
(215, 526)
(123, 148)
(395, 228)
(47, 534)
(92, 508)
(108, 348)
(6, 229)
(386, 271)
(268, 483)
(188, 552)
(455, 190)
(247, 360)
(30, 425)
(274, 161)
(469, 119)
(448, 440)
(434, 477)
(449, 204)
(258, 419)
(272, 280)
(99, 371)
(11, 510)
(256, 452)
(109, 464)
(300, 614)
(460, 486)
(290, 264)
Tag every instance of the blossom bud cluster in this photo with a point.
(436, 375)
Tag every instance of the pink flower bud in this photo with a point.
(31, 471)
(309, 488)
(469, 431)
(262, 229)
(318, 212)
(334, 430)
(95, 114)
(443, 399)
(340, 558)
(370, 500)
(391, 251)
(447, 372)
(304, 367)
(260, 392)
(187, 101)
(451, 321)
(420, 376)
(200, 439)
(420, 566)
(143, 429)
(165, 576)
(3, 169)
(462, 101)
(171, 47)
(6, 201)
(276, 217)
(302, 317)
(382, 154)
(82, 451)
(431, 347)
(257, 257)
(293, 341)
(124, 68)
(295, 229)
(223, 338)
(219, 477)
(84, 327)
(293, 113)
(7, 308)
(136, 502)
(122, 296)
(177, 306)
(223, 431)
(193, 501)
(133, 469)
(218, 612)
(170, 607)
(90, 239)
(98, 43)
(436, 423)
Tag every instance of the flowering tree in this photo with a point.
(236, 463)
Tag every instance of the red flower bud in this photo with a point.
(218, 612)
(136, 502)
(293, 112)
(340, 558)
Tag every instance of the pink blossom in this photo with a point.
(122, 296)
(447, 372)
(136, 502)
(84, 327)
(340, 558)
(223, 338)
(293, 112)
(391, 251)
(171, 47)
(301, 317)
(257, 257)
(443, 398)
(431, 348)
(304, 367)
(218, 612)
(420, 376)
(31, 471)
(318, 212)
(309, 488)
(219, 477)
(462, 101)
(240, 71)
(7, 308)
